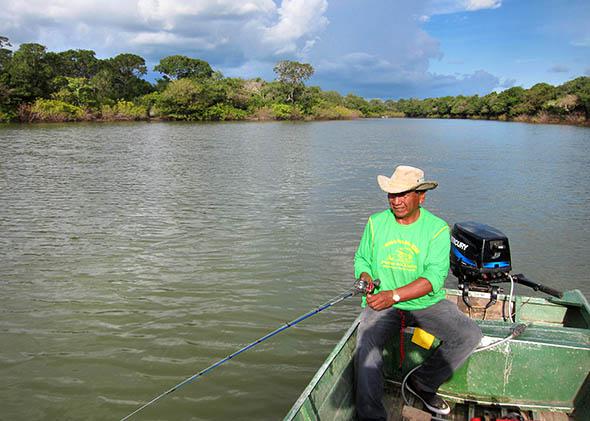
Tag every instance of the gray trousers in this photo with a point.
(459, 335)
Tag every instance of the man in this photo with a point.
(407, 248)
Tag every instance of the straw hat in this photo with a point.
(405, 178)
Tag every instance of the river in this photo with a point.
(133, 255)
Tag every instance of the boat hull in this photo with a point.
(545, 369)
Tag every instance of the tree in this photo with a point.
(332, 97)
(128, 65)
(293, 74)
(187, 99)
(5, 53)
(30, 72)
(442, 106)
(581, 88)
(120, 77)
(510, 98)
(178, 67)
(78, 63)
(356, 102)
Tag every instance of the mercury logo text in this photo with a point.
(459, 244)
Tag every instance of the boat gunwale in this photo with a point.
(322, 370)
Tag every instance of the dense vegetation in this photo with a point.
(74, 85)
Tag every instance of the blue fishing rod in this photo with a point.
(359, 287)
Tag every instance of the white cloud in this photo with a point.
(473, 5)
(169, 13)
(440, 7)
(171, 40)
(154, 28)
(296, 18)
(584, 42)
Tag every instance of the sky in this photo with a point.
(387, 49)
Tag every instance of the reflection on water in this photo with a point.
(134, 255)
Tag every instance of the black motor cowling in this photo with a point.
(480, 254)
(480, 258)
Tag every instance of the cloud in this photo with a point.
(225, 30)
(396, 62)
(442, 7)
(583, 42)
(296, 19)
(352, 47)
(386, 80)
(559, 68)
(473, 5)
(507, 83)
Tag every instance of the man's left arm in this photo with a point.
(385, 299)
(436, 265)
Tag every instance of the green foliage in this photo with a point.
(52, 110)
(562, 106)
(124, 110)
(30, 72)
(238, 94)
(356, 102)
(183, 99)
(335, 112)
(77, 64)
(272, 92)
(76, 91)
(285, 112)
(150, 103)
(221, 112)
(6, 117)
(5, 53)
(581, 88)
(293, 74)
(179, 67)
(121, 78)
(71, 85)
(332, 97)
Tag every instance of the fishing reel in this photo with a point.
(363, 287)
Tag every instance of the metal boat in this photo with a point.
(542, 374)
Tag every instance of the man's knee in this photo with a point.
(471, 334)
(374, 329)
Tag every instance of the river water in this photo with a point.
(133, 255)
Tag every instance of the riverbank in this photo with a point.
(127, 111)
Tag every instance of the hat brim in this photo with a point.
(389, 186)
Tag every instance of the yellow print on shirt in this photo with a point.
(412, 246)
(401, 258)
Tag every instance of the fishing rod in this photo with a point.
(360, 287)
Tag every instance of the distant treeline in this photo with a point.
(74, 85)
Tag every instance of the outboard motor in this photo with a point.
(480, 257)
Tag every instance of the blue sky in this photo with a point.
(372, 48)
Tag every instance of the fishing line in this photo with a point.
(360, 287)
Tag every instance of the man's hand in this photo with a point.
(380, 301)
(368, 279)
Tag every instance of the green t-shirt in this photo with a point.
(399, 254)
